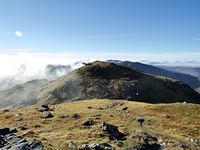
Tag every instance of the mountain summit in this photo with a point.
(103, 80)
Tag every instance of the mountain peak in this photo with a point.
(103, 80)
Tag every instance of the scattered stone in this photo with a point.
(76, 116)
(120, 144)
(125, 108)
(99, 146)
(44, 108)
(176, 144)
(22, 128)
(4, 131)
(89, 122)
(18, 114)
(84, 128)
(63, 116)
(84, 147)
(27, 133)
(166, 116)
(15, 124)
(47, 115)
(141, 121)
(19, 119)
(13, 130)
(6, 110)
(71, 145)
(113, 131)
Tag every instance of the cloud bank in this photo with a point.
(19, 67)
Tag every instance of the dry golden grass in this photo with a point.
(56, 132)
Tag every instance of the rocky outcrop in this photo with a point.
(11, 141)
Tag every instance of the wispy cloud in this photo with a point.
(197, 39)
(145, 43)
(101, 36)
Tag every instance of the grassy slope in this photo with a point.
(56, 132)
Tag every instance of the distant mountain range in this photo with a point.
(100, 80)
(192, 81)
(193, 71)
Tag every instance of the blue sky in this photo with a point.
(138, 30)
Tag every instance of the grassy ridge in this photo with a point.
(56, 132)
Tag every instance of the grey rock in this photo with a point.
(75, 116)
(22, 128)
(166, 116)
(18, 114)
(100, 146)
(36, 145)
(71, 145)
(113, 131)
(47, 115)
(63, 116)
(44, 108)
(89, 122)
(13, 142)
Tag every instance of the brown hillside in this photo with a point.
(101, 80)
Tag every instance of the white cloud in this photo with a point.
(18, 33)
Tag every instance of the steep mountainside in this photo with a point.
(21, 95)
(103, 80)
(188, 79)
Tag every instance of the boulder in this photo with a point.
(47, 115)
(76, 116)
(113, 131)
(44, 108)
(89, 122)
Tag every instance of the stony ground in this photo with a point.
(118, 124)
